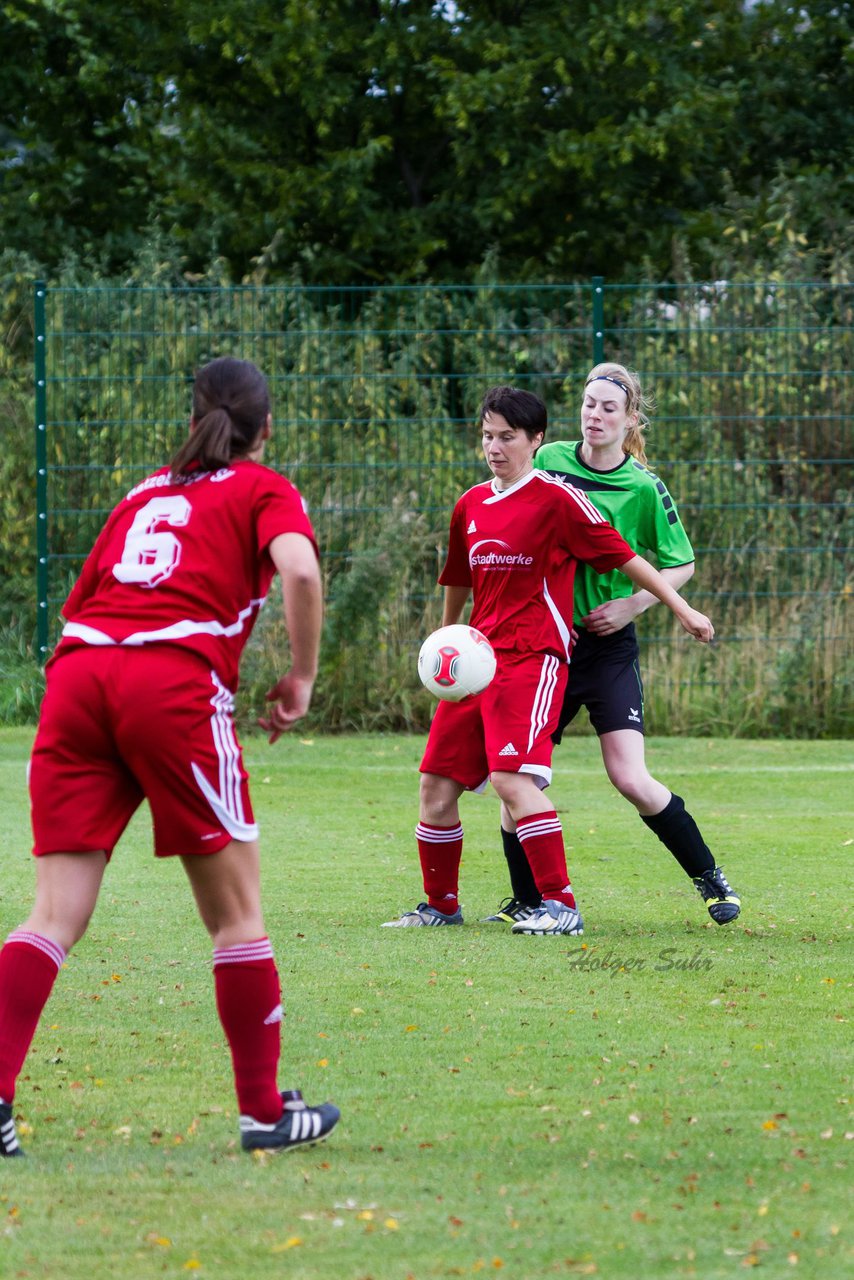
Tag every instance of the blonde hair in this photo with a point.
(638, 405)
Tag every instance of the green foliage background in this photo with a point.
(406, 139)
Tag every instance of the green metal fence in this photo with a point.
(375, 392)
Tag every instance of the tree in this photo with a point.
(406, 139)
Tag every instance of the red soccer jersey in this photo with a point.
(186, 562)
(517, 549)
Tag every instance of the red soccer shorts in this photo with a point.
(507, 728)
(121, 725)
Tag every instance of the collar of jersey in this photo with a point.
(594, 471)
(503, 493)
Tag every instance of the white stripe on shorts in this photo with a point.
(543, 698)
(227, 803)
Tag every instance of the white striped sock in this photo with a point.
(45, 945)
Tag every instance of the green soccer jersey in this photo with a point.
(635, 502)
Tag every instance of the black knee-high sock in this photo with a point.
(522, 880)
(679, 833)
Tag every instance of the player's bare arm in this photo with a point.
(302, 597)
(612, 615)
(455, 602)
(644, 575)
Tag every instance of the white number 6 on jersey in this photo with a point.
(149, 557)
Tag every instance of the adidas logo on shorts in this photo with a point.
(509, 750)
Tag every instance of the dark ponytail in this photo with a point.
(231, 404)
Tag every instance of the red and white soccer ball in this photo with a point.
(455, 662)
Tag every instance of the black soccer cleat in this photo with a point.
(299, 1126)
(513, 909)
(716, 891)
(8, 1137)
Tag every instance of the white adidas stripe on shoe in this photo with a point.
(300, 1125)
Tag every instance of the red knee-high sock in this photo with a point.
(248, 1000)
(440, 850)
(542, 839)
(29, 964)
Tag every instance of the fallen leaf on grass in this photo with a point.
(291, 1243)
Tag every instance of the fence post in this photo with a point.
(40, 359)
(598, 319)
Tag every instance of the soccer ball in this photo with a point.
(455, 662)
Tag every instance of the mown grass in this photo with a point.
(669, 1099)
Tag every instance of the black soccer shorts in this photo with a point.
(604, 677)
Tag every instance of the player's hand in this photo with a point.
(291, 698)
(697, 625)
(608, 618)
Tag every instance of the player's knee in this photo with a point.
(439, 798)
(628, 783)
(515, 791)
(640, 789)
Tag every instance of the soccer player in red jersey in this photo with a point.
(609, 464)
(139, 706)
(515, 543)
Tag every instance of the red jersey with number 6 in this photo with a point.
(185, 561)
(517, 549)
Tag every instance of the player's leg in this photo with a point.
(181, 742)
(541, 835)
(625, 764)
(439, 835)
(81, 799)
(520, 713)
(227, 889)
(616, 711)
(525, 896)
(66, 892)
(665, 814)
(454, 761)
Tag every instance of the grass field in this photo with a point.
(660, 1098)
